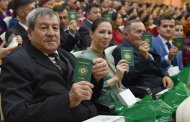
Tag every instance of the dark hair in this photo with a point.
(164, 17)
(114, 16)
(132, 17)
(118, 8)
(19, 3)
(90, 6)
(42, 2)
(145, 19)
(98, 22)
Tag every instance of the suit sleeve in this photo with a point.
(18, 98)
(131, 78)
(69, 43)
(85, 37)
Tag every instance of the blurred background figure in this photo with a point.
(186, 50)
(178, 30)
(116, 22)
(150, 27)
(46, 3)
(4, 12)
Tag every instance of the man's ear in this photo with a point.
(30, 33)
(125, 34)
(20, 12)
(91, 33)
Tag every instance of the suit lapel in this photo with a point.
(69, 67)
(41, 59)
(162, 45)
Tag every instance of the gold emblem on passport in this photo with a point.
(83, 70)
(127, 56)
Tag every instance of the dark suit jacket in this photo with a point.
(159, 47)
(145, 72)
(68, 42)
(19, 30)
(84, 34)
(34, 90)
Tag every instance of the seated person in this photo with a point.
(117, 34)
(35, 88)
(101, 35)
(6, 50)
(178, 30)
(186, 50)
(146, 71)
(162, 44)
(70, 38)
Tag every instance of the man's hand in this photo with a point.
(121, 67)
(80, 91)
(73, 26)
(167, 82)
(172, 53)
(100, 68)
(144, 48)
(19, 40)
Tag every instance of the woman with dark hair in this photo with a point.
(117, 33)
(101, 35)
(150, 27)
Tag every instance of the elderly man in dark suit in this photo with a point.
(147, 70)
(35, 88)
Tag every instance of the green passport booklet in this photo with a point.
(83, 70)
(146, 36)
(108, 17)
(179, 43)
(72, 15)
(127, 55)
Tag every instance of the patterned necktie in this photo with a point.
(58, 63)
(168, 45)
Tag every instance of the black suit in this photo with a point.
(68, 42)
(19, 30)
(84, 34)
(34, 90)
(145, 72)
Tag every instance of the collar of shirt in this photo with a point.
(166, 48)
(53, 52)
(51, 58)
(89, 21)
(24, 26)
(164, 42)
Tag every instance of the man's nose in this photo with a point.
(99, 15)
(50, 31)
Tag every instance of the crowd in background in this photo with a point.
(120, 12)
(99, 24)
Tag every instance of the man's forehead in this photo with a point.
(136, 25)
(95, 9)
(166, 21)
(46, 18)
